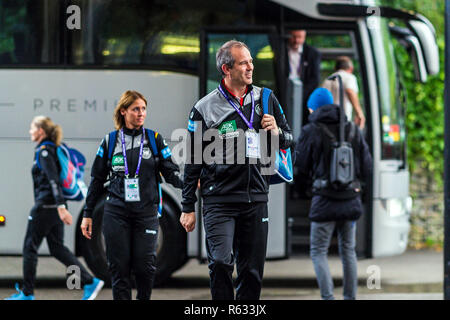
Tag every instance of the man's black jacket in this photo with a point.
(234, 182)
(312, 161)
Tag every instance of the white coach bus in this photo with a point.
(71, 60)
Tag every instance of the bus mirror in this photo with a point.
(416, 54)
(427, 41)
(410, 42)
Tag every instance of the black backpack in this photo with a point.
(340, 181)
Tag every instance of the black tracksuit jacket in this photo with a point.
(228, 183)
(148, 184)
(47, 190)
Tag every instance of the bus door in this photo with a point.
(331, 40)
(264, 50)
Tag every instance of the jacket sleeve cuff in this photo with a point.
(87, 213)
(188, 207)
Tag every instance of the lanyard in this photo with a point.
(249, 124)
(124, 151)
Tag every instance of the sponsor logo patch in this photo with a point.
(117, 160)
(228, 129)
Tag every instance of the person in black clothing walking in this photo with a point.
(130, 219)
(234, 194)
(49, 214)
(332, 207)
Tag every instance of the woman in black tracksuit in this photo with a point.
(49, 214)
(130, 219)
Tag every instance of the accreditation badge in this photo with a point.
(132, 190)
(252, 142)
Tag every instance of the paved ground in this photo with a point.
(415, 275)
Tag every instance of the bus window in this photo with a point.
(29, 32)
(162, 35)
(391, 118)
(332, 45)
(260, 49)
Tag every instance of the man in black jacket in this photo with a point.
(332, 208)
(304, 64)
(233, 186)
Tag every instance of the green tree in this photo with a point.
(424, 114)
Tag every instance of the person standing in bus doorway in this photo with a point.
(130, 218)
(49, 214)
(234, 195)
(332, 208)
(304, 64)
(344, 68)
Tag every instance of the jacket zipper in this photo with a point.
(248, 184)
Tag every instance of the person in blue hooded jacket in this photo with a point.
(331, 209)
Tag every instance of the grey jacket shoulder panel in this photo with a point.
(214, 108)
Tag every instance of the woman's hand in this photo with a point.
(65, 216)
(86, 227)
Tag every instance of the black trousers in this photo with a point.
(131, 240)
(45, 223)
(236, 231)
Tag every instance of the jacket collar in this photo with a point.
(132, 132)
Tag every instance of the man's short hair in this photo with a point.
(224, 56)
(343, 63)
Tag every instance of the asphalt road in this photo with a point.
(415, 275)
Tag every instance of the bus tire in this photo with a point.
(171, 248)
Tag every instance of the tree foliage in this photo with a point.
(425, 105)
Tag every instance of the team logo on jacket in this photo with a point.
(258, 109)
(146, 154)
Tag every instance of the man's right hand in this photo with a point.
(187, 220)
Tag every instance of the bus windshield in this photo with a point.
(392, 120)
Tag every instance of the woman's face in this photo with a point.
(36, 133)
(135, 114)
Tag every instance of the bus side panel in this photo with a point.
(276, 242)
(82, 102)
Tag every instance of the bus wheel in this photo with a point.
(172, 244)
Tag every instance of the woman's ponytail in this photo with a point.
(52, 130)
